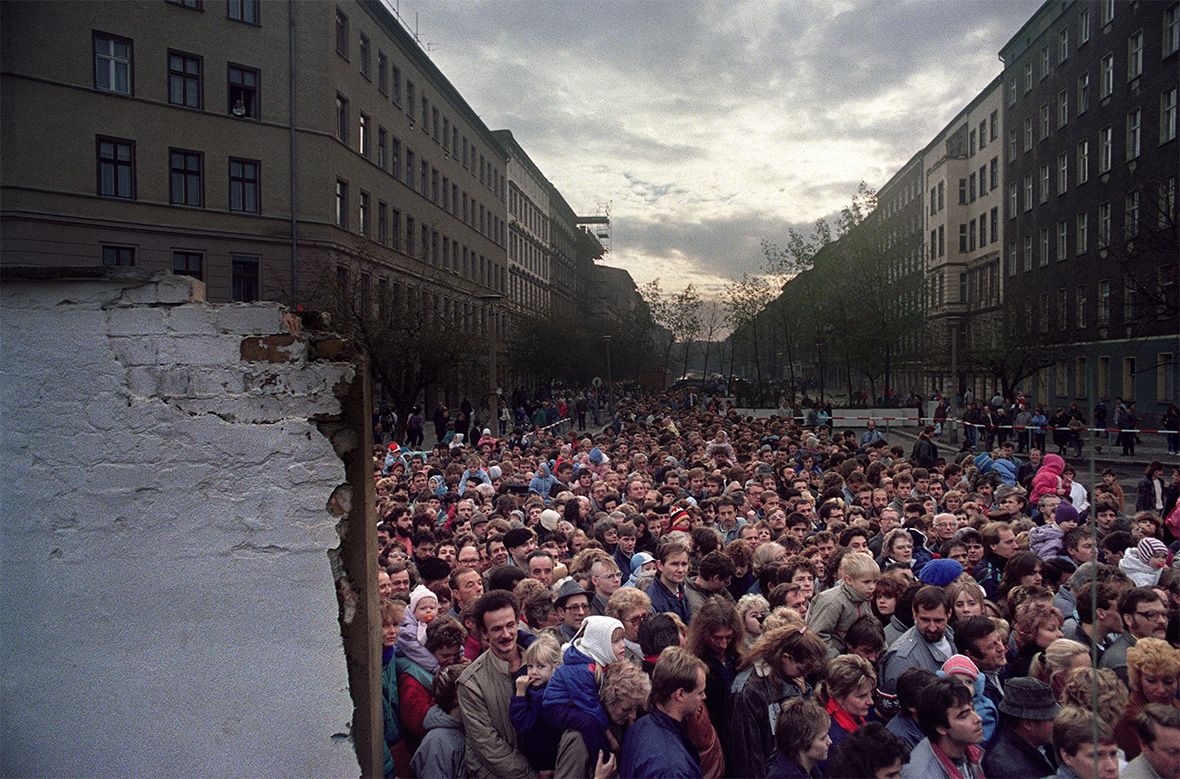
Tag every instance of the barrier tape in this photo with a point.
(1046, 429)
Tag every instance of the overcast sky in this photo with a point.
(709, 126)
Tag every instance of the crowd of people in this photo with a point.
(693, 593)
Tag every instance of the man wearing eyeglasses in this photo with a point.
(606, 580)
(1144, 615)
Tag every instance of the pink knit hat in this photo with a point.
(960, 664)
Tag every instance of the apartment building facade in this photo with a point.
(964, 230)
(248, 143)
(1091, 162)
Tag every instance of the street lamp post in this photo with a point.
(610, 385)
(493, 392)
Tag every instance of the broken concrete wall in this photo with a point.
(168, 597)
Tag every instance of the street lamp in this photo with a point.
(610, 385)
(493, 392)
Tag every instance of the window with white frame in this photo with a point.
(1043, 259)
(1062, 239)
(1080, 303)
(1045, 121)
(1131, 215)
(1083, 162)
(1103, 303)
(1082, 241)
(1168, 116)
(1135, 56)
(1106, 76)
(1062, 172)
(1171, 36)
(1134, 127)
(1103, 225)
(1105, 148)
(1026, 260)
(1044, 183)
(1062, 108)
(1083, 26)
(1062, 44)
(1028, 191)
(112, 64)
(1083, 93)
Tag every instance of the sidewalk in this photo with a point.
(1153, 447)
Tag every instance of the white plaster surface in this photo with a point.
(167, 597)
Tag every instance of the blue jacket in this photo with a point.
(783, 767)
(663, 599)
(656, 747)
(538, 737)
(907, 729)
(573, 684)
(543, 482)
(441, 754)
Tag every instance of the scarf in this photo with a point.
(843, 718)
(974, 756)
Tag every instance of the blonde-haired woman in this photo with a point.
(1153, 669)
(1054, 665)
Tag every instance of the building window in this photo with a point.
(409, 167)
(188, 264)
(971, 188)
(382, 72)
(1028, 133)
(410, 236)
(116, 167)
(1103, 225)
(1131, 215)
(1062, 240)
(112, 64)
(245, 278)
(1129, 294)
(362, 140)
(1028, 191)
(382, 148)
(942, 240)
(426, 114)
(1135, 56)
(363, 51)
(1083, 26)
(1027, 258)
(1171, 29)
(941, 195)
(341, 34)
(1103, 303)
(395, 226)
(1062, 173)
(971, 144)
(1134, 125)
(1013, 203)
(1168, 116)
(1062, 45)
(1063, 108)
(1062, 308)
(410, 109)
(1083, 233)
(1106, 80)
(1044, 63)
(1083, 93)
(395, 157)
(1012, 91)
(121, 256)
(243, 11)
(243, 186)
(1080, 307)
(395, 84)
(382, 223)
(1083, 162)
(1107, 12)
(1012, 149)
(184, 80)
(972, 236)
(983, 229)
(1043, 303)
(1043, 259)
(185, 187)
(243, 92)
(1105, 145)
(994, 170)
(1044, 183)
(1028, 76)
(195, 5)
(995, 224)
(341, 118)
(1167, 202)
(363, 213)
(342, 203)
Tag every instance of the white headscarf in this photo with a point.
(593, 639)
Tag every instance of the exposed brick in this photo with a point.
(273, 348)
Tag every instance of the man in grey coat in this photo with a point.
(928, 644)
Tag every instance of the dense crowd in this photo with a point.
(693, 593)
